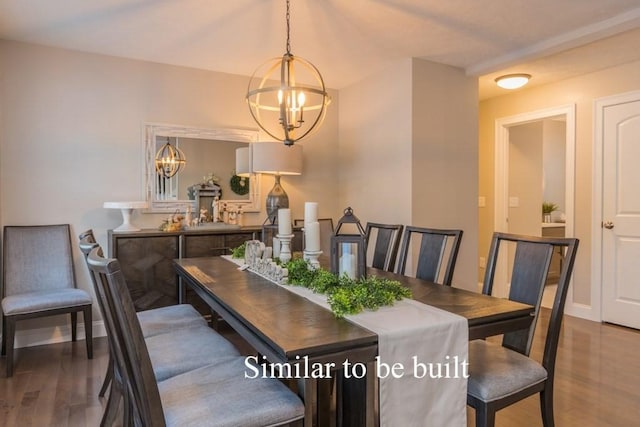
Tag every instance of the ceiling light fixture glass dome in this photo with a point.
(513, 81)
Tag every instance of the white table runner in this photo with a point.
(414, 334)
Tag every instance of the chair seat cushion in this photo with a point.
(496, 371)
(180, 351)
(164, 319)
(31, 302)
(220, 395)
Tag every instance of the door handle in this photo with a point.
(608, 225)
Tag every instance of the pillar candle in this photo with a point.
(347, 262)
(310, 212)
(276, 247)
(284, 222)
(312, 236)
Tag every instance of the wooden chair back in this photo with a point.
(385, 247)
(438, 248)
(530, 268)
(129, 348)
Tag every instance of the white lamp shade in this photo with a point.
(243, 161)
(276, 158)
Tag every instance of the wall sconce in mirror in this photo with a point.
(211, 154)
(170, 159)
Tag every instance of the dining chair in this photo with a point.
(326, 231)
(385, 246)
(438, 249)
(39, 280)
(500, 375)
(153, 322)
(217, 394)
(177, 337)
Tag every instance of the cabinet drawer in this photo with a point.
(232, 241)
(147, 265)
(211, 245)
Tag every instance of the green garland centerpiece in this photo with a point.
(345, 295)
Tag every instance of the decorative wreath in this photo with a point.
(239, 185)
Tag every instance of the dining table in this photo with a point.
(283, 327)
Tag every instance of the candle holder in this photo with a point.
(312, 258)
(285, 247)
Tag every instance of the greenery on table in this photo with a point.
(345, 295)
(239, 251)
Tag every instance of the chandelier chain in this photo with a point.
(288, 30)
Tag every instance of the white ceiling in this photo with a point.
(345, 39)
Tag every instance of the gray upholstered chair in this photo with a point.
(501, 375)
(217, 394)
(39, 280)
(438, 248)
(177, 337)
(385, 246)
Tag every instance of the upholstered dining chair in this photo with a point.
(385, 246)
(162, 328)
(437, 255)
(500, 375)
(217, 394)
(39, 280)
(326, 231)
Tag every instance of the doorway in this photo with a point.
(526, 175)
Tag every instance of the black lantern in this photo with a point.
(349, 247)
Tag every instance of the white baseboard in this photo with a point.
(56, 334)
(582, 311)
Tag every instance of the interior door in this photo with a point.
(621, 214)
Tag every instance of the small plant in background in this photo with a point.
(548, 207)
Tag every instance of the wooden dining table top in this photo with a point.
(291, 325)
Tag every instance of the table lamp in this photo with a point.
(127, 209)
(273, 158)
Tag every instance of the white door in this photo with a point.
(621, 214)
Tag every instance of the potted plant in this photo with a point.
(547, 208)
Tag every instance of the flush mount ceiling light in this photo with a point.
(287, 96)
(513, 81)
(170, 159)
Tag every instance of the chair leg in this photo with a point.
(10, 332)
(88, 330)
(4, 336)
(546, 405)
(111, 411)
(74, 324)
(485, 417)
(108, 376)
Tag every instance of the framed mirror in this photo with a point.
(210, 168)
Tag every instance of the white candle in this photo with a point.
(312, 236)
(284, 222)
(347, 262)
(310, 212)
(276, 247)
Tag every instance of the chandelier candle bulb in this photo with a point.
(310, 212)
(312, 236)
(284, 221)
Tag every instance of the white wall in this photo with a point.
(375, 145)
(444, 155)
(553, 163)
(71, 137)
(525, 178)
(408, 151)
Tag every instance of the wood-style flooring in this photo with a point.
(597, 382)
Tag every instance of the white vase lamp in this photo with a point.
(126, 208)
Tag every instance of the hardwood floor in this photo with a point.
(597, 381)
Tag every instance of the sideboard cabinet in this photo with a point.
(146, 259)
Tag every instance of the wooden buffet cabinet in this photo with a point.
(146, 258)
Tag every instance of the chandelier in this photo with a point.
(170, 160)
(287, 96)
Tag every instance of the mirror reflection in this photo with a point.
(209, 170)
